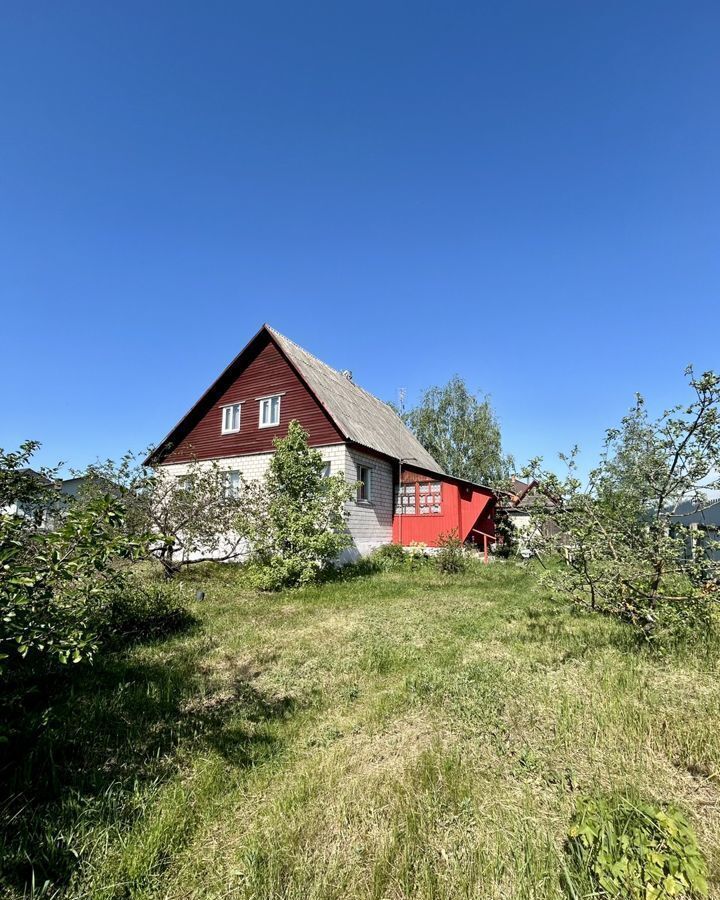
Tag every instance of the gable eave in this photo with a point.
(444, 476)
(232, 370)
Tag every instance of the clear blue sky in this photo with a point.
(524, 193)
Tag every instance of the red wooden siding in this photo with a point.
(476, 513)
(463, 509)
(265, 374)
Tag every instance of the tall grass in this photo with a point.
(392, 736)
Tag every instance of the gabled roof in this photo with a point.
(359, 416)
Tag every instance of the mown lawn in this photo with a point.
(390, 736)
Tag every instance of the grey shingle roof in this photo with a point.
(705, 511)
(362, 418)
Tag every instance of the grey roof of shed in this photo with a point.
(362, 418)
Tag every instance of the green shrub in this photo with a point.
(681, 621)
(626, 553)
(294, 520)
(67, 585)
(450, 558)
(389, 556)
(53, 583)
(137, 612)
(506, 533)
(634, 850)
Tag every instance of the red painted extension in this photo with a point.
(463, 507)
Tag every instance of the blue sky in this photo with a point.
(527, 194)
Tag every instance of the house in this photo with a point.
(403, 494)
(701, 517)
(39, 487)
(55, 494)
(518, 504)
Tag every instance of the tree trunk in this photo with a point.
(170, 567)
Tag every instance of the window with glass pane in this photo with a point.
(232, 483)
(231, 418)
(406, 500)
(421, 498)
(269, 411)
(364, 477)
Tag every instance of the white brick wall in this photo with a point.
(254, 465)
(369, 523)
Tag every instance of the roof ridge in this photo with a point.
(322, 362)
(306, 352)
(362, 417)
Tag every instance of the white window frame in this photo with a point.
(223, 414)
(268, 400)
(327, 469)
(366, 484)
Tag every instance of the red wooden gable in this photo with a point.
(265, 372)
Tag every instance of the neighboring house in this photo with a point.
(702, 519)
(273, 381)
(41, 514)
(71, 487)
(518, 503)
(46, 515)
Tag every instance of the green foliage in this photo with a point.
(450, 558)
(507, 543)
(22, 489)
(68, 588)
(388, 557)
(53, 584)
(625, 555)
(54, 581)
(394, 558)
(634, 850)
(462, 433)
(294, 520)
(138, 611)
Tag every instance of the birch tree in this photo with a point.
(462, 432)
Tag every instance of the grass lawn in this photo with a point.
(390, 736)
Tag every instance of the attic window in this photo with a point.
(231, 418)
(270, 411)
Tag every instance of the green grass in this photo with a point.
(397, 735)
